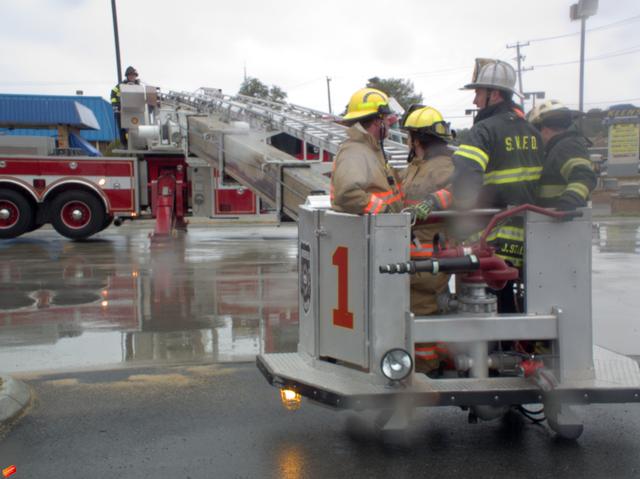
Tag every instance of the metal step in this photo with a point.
(617, 379)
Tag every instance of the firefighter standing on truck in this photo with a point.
(131, 78)
(362, 180)
(499, 163)
(429, 171)
(567, 176)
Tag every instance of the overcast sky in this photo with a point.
(60, 46)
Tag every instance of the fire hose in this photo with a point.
(479, 259)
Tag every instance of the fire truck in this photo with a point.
(357, 334)
(202, 154)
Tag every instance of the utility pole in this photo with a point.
(581, 11)
(520, 58)
(329, 94)
(117, 40)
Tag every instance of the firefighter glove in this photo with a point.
(422, 210)
(569, 202)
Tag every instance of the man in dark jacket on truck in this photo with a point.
(567, 176)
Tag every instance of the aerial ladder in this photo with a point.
(232, 133)
(315, 127)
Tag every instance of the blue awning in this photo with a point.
(76, 141)
(35, 112)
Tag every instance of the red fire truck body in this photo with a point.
(78, 195)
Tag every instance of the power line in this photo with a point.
(615, 24)
(600, 57)
(603, 27)
(438, 72)
(610, 102)
(298, 85)
(444, 71)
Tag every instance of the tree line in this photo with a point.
(404, 92)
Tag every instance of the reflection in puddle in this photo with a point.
(188, 300)
(290, 461)
(617, 238)
(615, 279)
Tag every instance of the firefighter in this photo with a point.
(362, 181)
(429, 171)
(131, 78)
(567, 176)
(499, 164)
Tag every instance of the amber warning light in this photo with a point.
(8, 471)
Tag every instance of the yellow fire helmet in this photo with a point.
(426, 120)
(366, 103)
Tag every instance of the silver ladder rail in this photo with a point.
(311, 126)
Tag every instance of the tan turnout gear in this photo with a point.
(362, 181)
(423, 176)
(426, 175)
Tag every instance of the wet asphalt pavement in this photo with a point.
(224, 421)
(166, 337)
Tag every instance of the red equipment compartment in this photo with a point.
(235, 201)
(294, 147)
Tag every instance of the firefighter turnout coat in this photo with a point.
(115, 98)
(362, 181)
(567, 177)
(423, 176)
(499, 165)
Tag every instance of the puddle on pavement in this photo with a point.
(615, 285)
(201, 297)
(219, 295)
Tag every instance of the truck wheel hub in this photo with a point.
(9, 214)
(76, 214)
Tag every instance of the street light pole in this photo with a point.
(329, 94)
(117, 40)
(581, 11)
(583, 22)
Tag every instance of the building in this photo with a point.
(38, 115)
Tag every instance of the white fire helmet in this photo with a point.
(493, 74)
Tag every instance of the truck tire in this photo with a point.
(16, 214)
(107, 222)
(77, 214)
